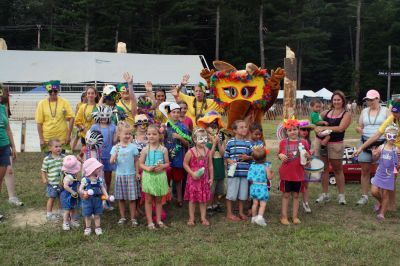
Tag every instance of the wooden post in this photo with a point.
(23, 135)
(289, 84)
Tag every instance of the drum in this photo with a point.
(314, 170)
(280, 132)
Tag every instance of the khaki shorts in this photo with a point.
(333, 151)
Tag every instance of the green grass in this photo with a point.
(331, 235)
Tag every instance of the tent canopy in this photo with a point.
(79, 67)
(324, 93)
(299, 94)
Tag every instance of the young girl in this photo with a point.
(291, 171)
(153, 161)
(198, 164)
(259, 174)
(102, 116)
(69, 196)
(176, 140)
(187, 121)
(304, 133)
(256, 135)
(92, 147)
(383, 181)
(141, 124)
(126, 181)
(91, 190)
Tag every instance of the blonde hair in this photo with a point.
(198, 131)
(124, 125)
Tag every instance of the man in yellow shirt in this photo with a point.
(52, 115)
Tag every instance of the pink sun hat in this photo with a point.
(71, 165)
(372, 94)
(90, 165)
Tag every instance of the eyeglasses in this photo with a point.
(391, 136)
(141, 122)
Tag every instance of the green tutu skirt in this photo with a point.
(155, 184)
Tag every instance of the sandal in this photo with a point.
(243, 217)
(205, 222)
(234, 218)
(190, 223)
(151, 226)
(162, 225)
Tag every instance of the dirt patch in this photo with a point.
(30, 217)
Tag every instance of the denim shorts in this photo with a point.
(53, 191)
(238, 188)
(92, 205)
(5, 153)
(107, 166)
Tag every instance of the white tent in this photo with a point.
(78, 67)
(324, 93)
(299, 94)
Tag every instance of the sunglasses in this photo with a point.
(141, 122)
(391, 136)
(53, 91)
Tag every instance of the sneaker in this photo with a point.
(260, 221)
(285, 221)
(75, 223)
(151, 226)
(15, 201)
(98, 231)
(1, 216)
(380, 217)
(134, 223)
(323, 198)
(306, 207)
(296, 221)
(121, 221)
(107, 206)
(341, 199)
(52, 217)
(253, 219)
(87, 231)
(66, 227)
(162, 225)
(363, 200)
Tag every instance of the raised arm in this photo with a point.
(129, 79)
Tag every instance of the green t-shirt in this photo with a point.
(315, 118)
(218, 163)
(4, 141)
(52, 167)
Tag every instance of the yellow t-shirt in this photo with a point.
(84, 118)
(53, 116)
(127, 108)
(159, 117)
(385, 124)
(211, 105)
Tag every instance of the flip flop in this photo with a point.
(190, 223)
(205, 222)
(243, 217)
(234, 218)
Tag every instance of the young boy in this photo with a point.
(237, 152)
(51, 176)
(315, 117)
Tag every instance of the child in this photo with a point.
(256, 135)
(92, 147)
(176, 140)
(141, 124)
(153, 161)
(316, 119)
(91, 190)
(291, 171)
(187, 121)
(383, 181)
(69, 196)
(198, 165)
(237, 155)
(259, 174)
(127, 176)
(213, 123)
(102, 118)
(51, 176)
(304, 133)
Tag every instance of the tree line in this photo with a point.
(322, 33)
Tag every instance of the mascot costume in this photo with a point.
(244, 94)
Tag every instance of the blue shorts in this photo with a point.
(5, 153)
(54, 191)
(92, 205)
(364, 156)
(107, 166)
(67, 201)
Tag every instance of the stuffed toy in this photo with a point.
(244, 94)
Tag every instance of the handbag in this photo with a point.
(375, 144)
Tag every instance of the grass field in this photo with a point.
(331, 235)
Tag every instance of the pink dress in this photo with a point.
(198, 190)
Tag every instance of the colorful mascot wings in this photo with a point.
(244, 94)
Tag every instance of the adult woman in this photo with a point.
(6, 142)
(338, 121)
(51, 116)
(84, 119)
(369, 122)
(159, 97)
(392, 119)
(197, 105)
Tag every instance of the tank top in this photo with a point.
(334, 122)
(372, 124)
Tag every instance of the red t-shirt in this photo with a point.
(292, 170)
(188, 123)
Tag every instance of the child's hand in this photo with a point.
(175, 91)
(158, 168)
(74, 194)
(244, 157)
(149, 86)
(138, 177)
(210, 181)
(283, 157)
(185, 80)
(128, 78)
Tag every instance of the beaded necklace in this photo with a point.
(203, 106)
(126, 107)
(179, 131)
(51, 111)
(87, 119)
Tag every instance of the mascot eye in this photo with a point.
(247, 92)
(231, 92)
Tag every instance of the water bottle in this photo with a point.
(232, 169)
(302, 151)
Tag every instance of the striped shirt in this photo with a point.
(233, 149)
(52, 167)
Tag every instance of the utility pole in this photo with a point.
(357, 61)
(217, 35)
(39, 28)
(261, 35)
(389, 74)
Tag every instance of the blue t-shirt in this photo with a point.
(108, 133)
(125, 159)
(176, 150)
(233, 149)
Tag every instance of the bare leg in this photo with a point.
(107, 178)
(10, 182)
(229, 211)
(97, 221)
(132, 209)
(2, 174)
(285, 203)
(158, 209)
(88, 221)
(295, 207)
(385, 201)
(365, 177)
(254, 208)
(337, 167)
(149, 208)
(67, 216)
(121, 206)
(192, 209)
(306, 193)
(376, 193)
(178, 185)
(49, 206)
(203, 214)
(241, 209)
(261, 210)
(325, 175)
